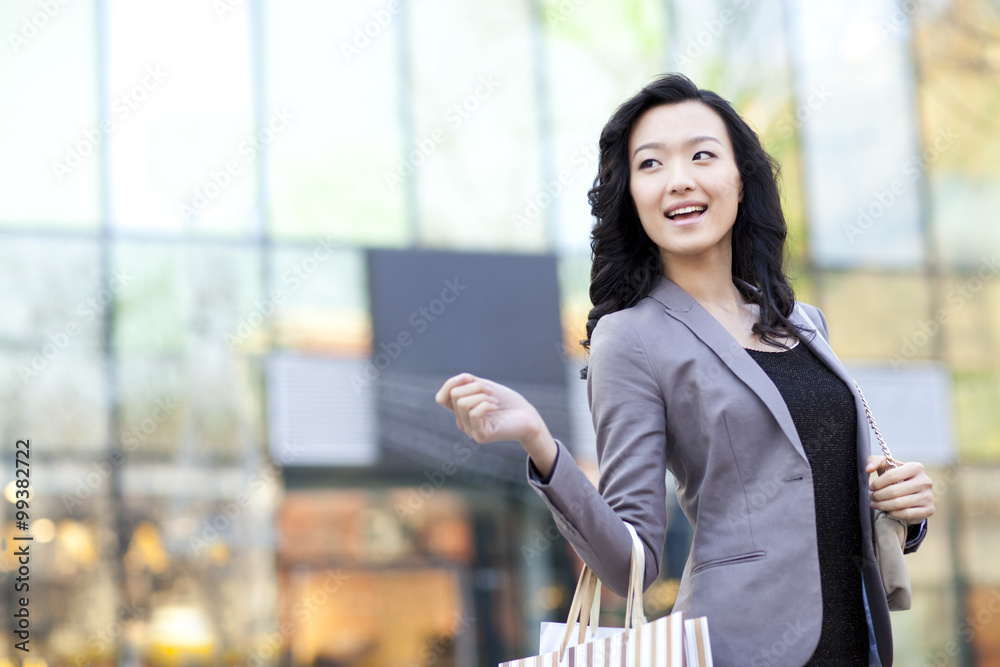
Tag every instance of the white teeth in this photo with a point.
(686, 209)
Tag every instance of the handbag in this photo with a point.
(670, 641)
(889, 537)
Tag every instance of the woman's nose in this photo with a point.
(678, 180)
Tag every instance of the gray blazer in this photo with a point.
(671, 389)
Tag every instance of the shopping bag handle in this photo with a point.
(633, 609)
(582, 608)
(586, 604)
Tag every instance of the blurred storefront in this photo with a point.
(432, 588)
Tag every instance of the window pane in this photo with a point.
(960, 102)
(980, 537)
(54, 296)
(62, 407)
(877, 316)
(51, 135)
(53, 384)
(718, 44)
(969, 314)
(199, 407)
(334, 65)
(187, 296)
(153, 406)
(184, 148)
(976, 398)
(183, 334)
(477, 117)
(856, 118)
(324, 300)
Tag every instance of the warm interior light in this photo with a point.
(176, 630)
(43, 530)
(11, 489)
(77, 542)
(146, 550)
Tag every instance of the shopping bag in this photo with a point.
(697, 649)
(671, 641)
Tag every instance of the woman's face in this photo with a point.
(684, 180)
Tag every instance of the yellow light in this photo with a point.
(219, 553)
(77, 542)
(662, 594)
(178, 633)
(146, 550)
(550, 597)
(43, 530)
(10, 492)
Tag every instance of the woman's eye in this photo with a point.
(705, 153)
(648, 162)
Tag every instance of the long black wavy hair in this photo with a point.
(626, 262)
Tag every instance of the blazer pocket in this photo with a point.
(729, 560)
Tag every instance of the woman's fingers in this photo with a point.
(903, 492)
(444, 395)
(477, 386)
(875, 463)
(463, 407)
(906, 492)
(479, 421)
(471, 399)
(913, 508)
(488, 411)
(911, 474)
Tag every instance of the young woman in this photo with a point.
(704, 365)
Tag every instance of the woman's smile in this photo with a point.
(685, 213)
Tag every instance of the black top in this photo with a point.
(822, 408)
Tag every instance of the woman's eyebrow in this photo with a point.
(689, 142)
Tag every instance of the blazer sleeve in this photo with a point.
(630, 422)
(915, 533)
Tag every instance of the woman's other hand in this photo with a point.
(490, 412)
(905, 492)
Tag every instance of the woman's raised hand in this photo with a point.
(487, 411)
(905, 492)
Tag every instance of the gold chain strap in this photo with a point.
(892, 463)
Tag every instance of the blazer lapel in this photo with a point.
(683, 307)
(822, 349)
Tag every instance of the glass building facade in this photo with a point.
(189, 196)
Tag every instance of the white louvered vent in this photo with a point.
(316, 415)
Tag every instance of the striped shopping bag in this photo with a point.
(671, 641)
